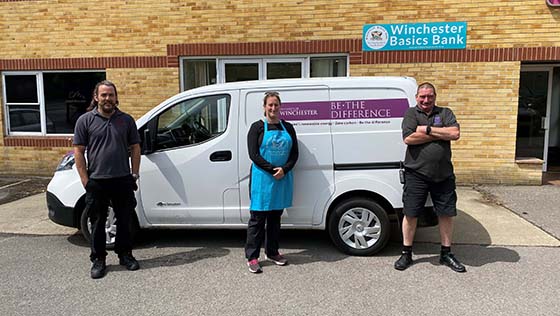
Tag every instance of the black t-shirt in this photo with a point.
(432, 159)
(107, 141)
(254, 141)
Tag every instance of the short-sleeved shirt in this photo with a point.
(107, 141)
(432, 159)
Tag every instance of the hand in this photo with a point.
(421, 129)
(84, 181)
(279, 173)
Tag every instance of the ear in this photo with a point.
(95, 98)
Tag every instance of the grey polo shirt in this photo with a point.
(107, 142)
(432, 159)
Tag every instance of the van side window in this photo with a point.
(192, 121)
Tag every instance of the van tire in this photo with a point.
(350, 222)
(110, 227)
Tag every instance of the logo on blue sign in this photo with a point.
(415, 36)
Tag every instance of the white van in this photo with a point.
(195, 166)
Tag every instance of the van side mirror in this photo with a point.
(148, 145)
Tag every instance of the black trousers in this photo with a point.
(120, 193)
(256, 233)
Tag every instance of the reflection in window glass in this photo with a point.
(283, 70)
(67, 96)
(198, 73)
(21, 89)
(193, 121)
(328, 67)
(25, 118)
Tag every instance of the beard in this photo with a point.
(107, 106)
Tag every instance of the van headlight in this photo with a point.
(67, 162)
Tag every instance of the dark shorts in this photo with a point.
(416, 189)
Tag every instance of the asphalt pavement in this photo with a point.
(503, 235)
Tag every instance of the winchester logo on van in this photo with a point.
(415, 36)
(344, 109)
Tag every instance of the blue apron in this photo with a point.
(268, 193)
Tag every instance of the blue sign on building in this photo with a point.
(414, 36)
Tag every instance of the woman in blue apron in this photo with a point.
(273, 149)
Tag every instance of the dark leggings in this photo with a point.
(256, 233)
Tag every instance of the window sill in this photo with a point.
(38, 141)
(528, 161)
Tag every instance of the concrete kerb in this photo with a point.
(479, 222)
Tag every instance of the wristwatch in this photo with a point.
(136, 176)
(428, 130)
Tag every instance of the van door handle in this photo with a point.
(224, 155)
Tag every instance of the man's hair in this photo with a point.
(93, 103)
(424, 85)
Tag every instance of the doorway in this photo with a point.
(538, 117)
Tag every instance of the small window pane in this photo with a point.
(198, 73)
(21, 89)
(25, 118)
(328, 67)
(67, 96)
(193, 121)
(242, 72)
(283, 70)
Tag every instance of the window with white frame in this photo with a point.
(46, 103)
(197, 72)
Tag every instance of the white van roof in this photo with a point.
(332, 82)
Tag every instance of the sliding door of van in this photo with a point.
(192, 176)
(313, 173)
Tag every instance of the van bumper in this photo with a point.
(58, 212)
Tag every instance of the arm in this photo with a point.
(253, 147)
(135, 158)
(436, 133)
(445, 133)
(80, 159)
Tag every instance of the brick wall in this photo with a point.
(141, 89)
(138, 43)
(143, 28)
(483, 96)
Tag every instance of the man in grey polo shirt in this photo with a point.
(107, 134)
(428, 131)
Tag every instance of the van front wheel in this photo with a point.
(110, 227)
(359, 227)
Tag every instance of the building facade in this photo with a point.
(504, 85)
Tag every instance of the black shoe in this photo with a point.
(404, 261)
(452, 262)
(129, 262)
(98, 269)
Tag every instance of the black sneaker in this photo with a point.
(278, 259)
(449, 260)
(254, 266)
(129, 262)
(404, 261)
(98, 269)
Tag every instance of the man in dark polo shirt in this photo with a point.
(427, 130)
(107, 134)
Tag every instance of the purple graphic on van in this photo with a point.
(344, 109)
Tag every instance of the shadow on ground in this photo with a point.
(300, 247)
